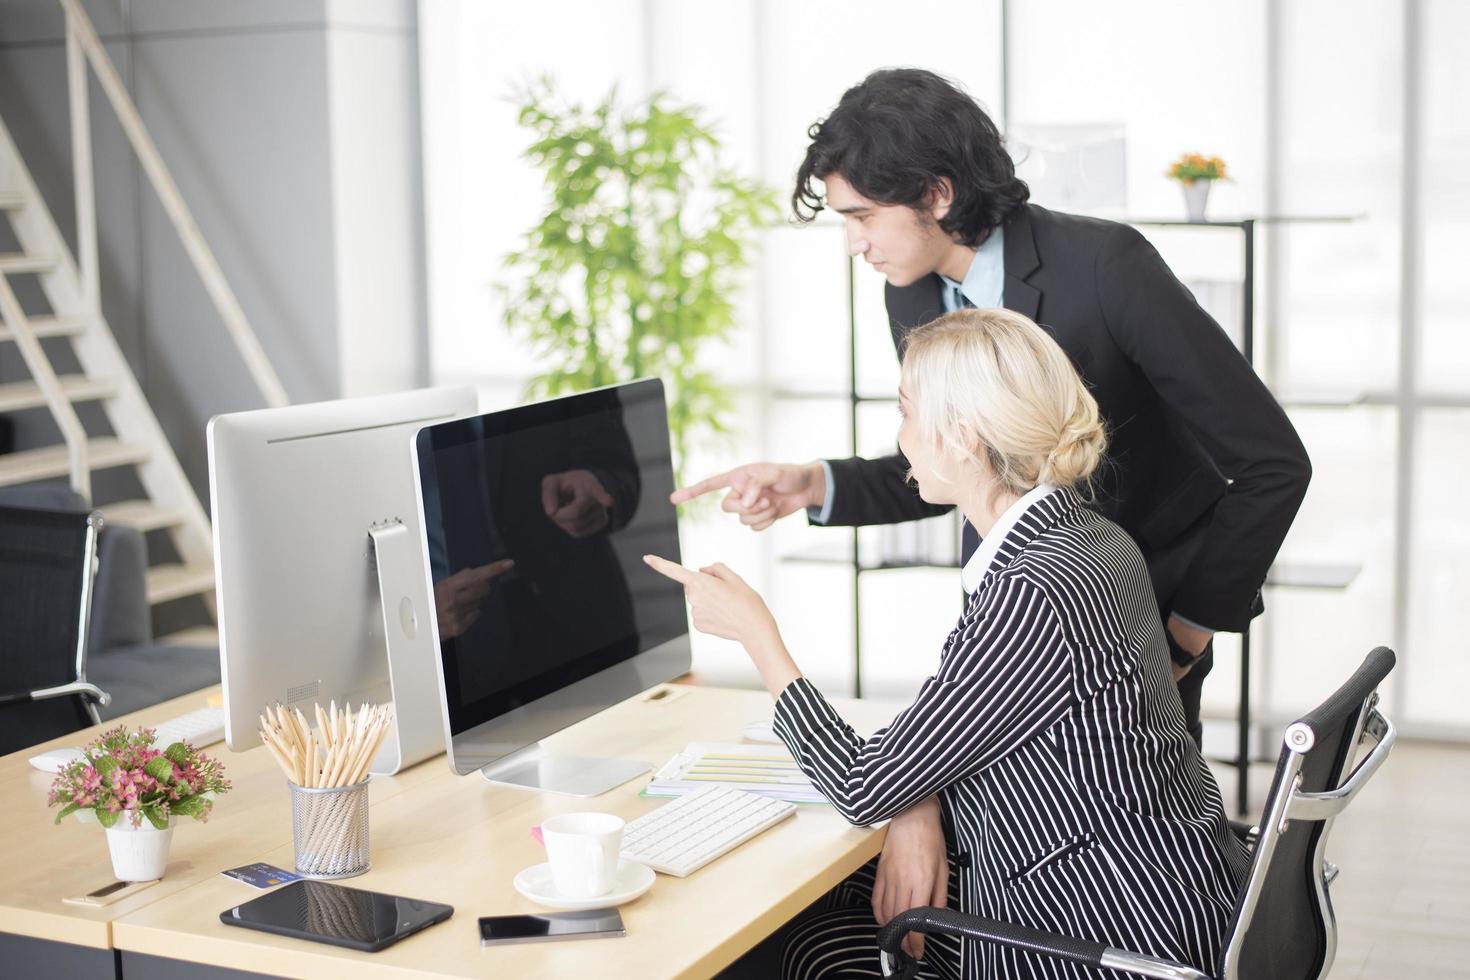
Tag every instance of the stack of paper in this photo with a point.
(766, 770)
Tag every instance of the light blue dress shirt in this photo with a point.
(984, 284)
(984, 287)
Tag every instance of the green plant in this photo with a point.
(634, 269)
(122, 773)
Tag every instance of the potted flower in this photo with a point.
(1196, 172)
(136, 791)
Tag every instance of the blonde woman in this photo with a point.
(1051, 732)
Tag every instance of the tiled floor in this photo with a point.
(1403, 897)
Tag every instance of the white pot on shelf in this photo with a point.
(138, 853)
(1196, 194)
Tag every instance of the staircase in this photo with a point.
(168, 503)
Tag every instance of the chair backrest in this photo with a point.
(1283, 927)
(45, 599)
(121, 615)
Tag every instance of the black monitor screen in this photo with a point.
(537, 519)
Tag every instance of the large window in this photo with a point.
(765, 72)
(1353, 109)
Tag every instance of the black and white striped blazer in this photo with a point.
(1074, 798)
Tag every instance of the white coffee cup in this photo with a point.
(583, 850)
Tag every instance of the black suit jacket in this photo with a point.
(1203, 469)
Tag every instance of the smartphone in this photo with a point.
(107, 894)
(327, 913)
(588, 924)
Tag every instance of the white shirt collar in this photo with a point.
(979, 563)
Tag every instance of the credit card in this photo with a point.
(261, 875)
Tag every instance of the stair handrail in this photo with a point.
(83, 47)
(72, 432)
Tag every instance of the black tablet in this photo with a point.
(328, 913)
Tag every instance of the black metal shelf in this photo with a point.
(1298, 575)
(843, 559)
(1307, 398)
(1237, 222)
(1322, 576)
(792, 394)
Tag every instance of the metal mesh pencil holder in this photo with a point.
(330, 830)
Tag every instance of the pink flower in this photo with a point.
(127, 784)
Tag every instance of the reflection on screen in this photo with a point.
(537, 519)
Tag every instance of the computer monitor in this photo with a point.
(535, 523)
(320, 588)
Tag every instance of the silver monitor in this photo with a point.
(535, 523)
(320, 589)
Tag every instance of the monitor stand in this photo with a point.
(418, 726)
(574, 775)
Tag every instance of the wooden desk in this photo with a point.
(40, 864)
(446, 838)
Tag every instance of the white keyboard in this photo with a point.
(199, 728)
(684, 835)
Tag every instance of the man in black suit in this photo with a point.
(1204, 470)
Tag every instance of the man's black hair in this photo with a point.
(894, 135)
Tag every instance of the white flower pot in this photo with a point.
(138, 853)
(1196, 194)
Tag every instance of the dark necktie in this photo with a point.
(958, 298)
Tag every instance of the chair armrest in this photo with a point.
(955, 923)
(1321, 806)
(91, 692)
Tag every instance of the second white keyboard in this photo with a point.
(199, 728)
(684, 835)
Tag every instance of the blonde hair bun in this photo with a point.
(1079, 453)
(992, 382)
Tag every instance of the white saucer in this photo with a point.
(761, 731)
(633, 879)
(56, 759)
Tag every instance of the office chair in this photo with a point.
(1283, 926)
(46, 566)
(123, 657)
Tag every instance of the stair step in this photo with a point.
(175, 580)
(19, 262)
(136, 439)
(195, 636)
(145, 515)
(48, 326)
(51, 461)
(19, 395)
